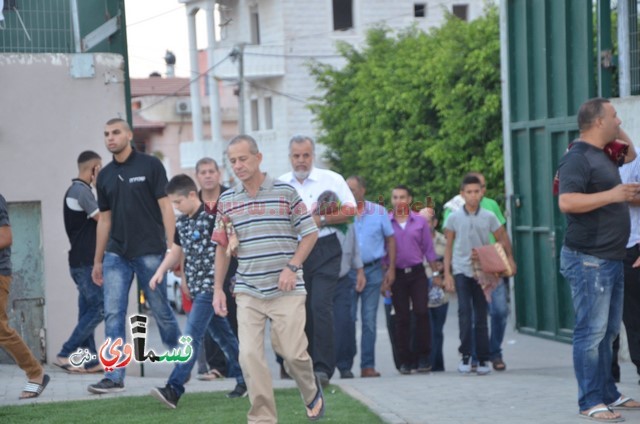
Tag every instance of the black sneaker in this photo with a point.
(239, 392)
(323, 377)
(166, 395)
(346, 374)
(106, 386)
(405, 369)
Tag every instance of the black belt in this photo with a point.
(410, 269)
(376, 262)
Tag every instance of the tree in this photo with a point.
(417, 109)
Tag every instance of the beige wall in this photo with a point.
(48, 118)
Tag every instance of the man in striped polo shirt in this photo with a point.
(275, 234)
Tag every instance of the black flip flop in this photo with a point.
(35, 388)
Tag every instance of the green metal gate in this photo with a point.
(552, 69)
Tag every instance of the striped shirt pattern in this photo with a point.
(268, 227)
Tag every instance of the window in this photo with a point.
(255, 26)
(342, 15)
(268, 113)
(255, 119)
(419, 10)
(460, 11)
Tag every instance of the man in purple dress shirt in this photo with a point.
(411, 288)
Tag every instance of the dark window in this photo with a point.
(255, 27)
(460, 11)
(268, 113)
(420, 10)
(342, 14)
(255, 119)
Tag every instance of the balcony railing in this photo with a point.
(259, 62)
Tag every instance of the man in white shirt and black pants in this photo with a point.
(322, 266)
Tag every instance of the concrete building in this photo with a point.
(277, 38)
(162, 119)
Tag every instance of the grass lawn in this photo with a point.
(212, 407)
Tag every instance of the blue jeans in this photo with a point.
(597, 288)
(118, 275)
(472, 317)
(344, 324)
(90, 314)
(498, 312)
(201, 319)
(370, 299)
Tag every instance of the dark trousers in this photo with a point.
(630, 311)
(472, 317)
(344, 326)
(214, 354)
(438, 317)
(321, 270)
(411, 290)
(390, 314)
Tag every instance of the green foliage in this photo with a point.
(192, 408)
(415, 108)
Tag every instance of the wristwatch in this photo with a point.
(436, 274)
(294, 268)
(323, 220)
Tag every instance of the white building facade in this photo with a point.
(278, 38)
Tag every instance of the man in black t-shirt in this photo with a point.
(135, 229)
(81, 215)
(594, 201)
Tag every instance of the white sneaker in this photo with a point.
(483, 368)
(464, 366)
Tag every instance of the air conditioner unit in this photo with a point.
(183, 107)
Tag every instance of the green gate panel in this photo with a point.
(551, 71)
(26, 297)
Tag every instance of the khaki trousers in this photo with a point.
(287, 315)
(11, 341)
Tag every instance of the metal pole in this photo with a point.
(196, 107)
(624, 49)
(506, 118)
(214, 99)
(241, 115)
(77, 40)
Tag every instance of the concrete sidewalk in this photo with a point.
(538, 386)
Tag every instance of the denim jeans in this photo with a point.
(201, 319)
(438, 316)
(344, 323)
(369, 301)
(118, 275)
(498, 313)
(472, 317)
(597, 287)
(90, 314)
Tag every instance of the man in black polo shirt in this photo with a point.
(136, 224)
(81, 215)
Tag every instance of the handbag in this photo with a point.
(493, 260)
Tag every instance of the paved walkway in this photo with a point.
(538, 386)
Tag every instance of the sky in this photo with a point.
(155, 26)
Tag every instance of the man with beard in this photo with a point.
(135, 229)
(322, 267)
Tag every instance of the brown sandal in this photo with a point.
(213, 374)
